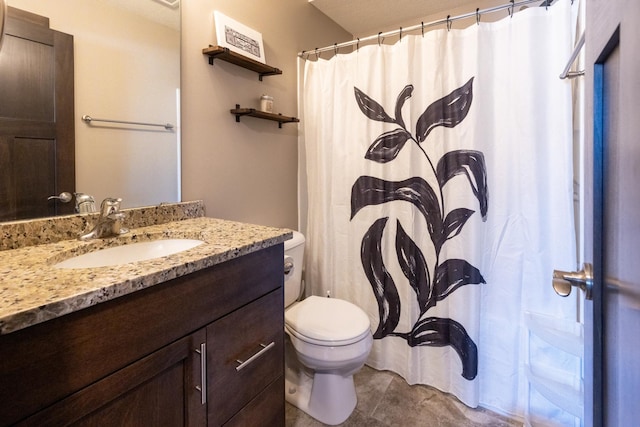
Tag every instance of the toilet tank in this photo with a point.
(293, 258)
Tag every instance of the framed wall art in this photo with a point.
(238, 38)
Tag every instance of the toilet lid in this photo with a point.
(327, 319)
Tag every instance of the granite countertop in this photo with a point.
(32, 290)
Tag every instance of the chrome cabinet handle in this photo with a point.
(563, 281)
(244, 364)
(202, 388)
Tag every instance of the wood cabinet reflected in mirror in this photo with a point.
(37, 134)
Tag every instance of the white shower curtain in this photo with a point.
(439, 187)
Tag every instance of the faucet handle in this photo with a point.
(109, 206)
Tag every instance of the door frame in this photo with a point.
(599, 151)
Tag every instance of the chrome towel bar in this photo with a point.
(88, 119)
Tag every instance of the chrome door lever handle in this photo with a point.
(583, 279)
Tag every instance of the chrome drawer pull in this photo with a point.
(202, 388)
(244, 364)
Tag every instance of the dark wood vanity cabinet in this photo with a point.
(137, 360)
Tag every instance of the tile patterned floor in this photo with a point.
(385, 400)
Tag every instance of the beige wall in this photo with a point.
(245, 171)
(126, 68)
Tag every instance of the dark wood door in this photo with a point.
(37, 136)
(612, 319)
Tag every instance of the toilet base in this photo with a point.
(328, 398)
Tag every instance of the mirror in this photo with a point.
(3, 14)
(126, 68)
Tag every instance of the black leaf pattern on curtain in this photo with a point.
(447, 111)
(452, 274)
(471, 164)
(439, 332)
(455, 220)
(369, 190)
(414, 266)
(384, 289)
(402, 98)
(387, 146)
(434, 283)
(371, 108)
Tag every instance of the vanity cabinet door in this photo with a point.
(245, 364)
(160, 389)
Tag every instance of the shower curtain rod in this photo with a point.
(448, 20)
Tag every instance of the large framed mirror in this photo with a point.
(126, 68)
(3, 15)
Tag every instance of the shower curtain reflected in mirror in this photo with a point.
(440, 197)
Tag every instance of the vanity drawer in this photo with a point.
(254, 335)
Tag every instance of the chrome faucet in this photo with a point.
(85, 203)
(110, 221)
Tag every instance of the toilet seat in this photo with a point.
(327, 321)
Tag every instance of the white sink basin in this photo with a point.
(126, 254)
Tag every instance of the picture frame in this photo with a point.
(238, 38)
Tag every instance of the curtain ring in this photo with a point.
(317, 54)
(379, 34)
(422, 25)
(478, 16)
(510, 9)
(400, 34)
(448, 22)
(335, 48)
(358, 45)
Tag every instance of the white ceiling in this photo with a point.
(366, 17)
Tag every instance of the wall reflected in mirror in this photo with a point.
(127, 67)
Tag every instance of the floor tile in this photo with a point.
(386, 400)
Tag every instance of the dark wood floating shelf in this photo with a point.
(252, 112)
(225, 54)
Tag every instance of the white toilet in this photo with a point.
(328, 340)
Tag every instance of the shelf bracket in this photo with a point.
(238, 115)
